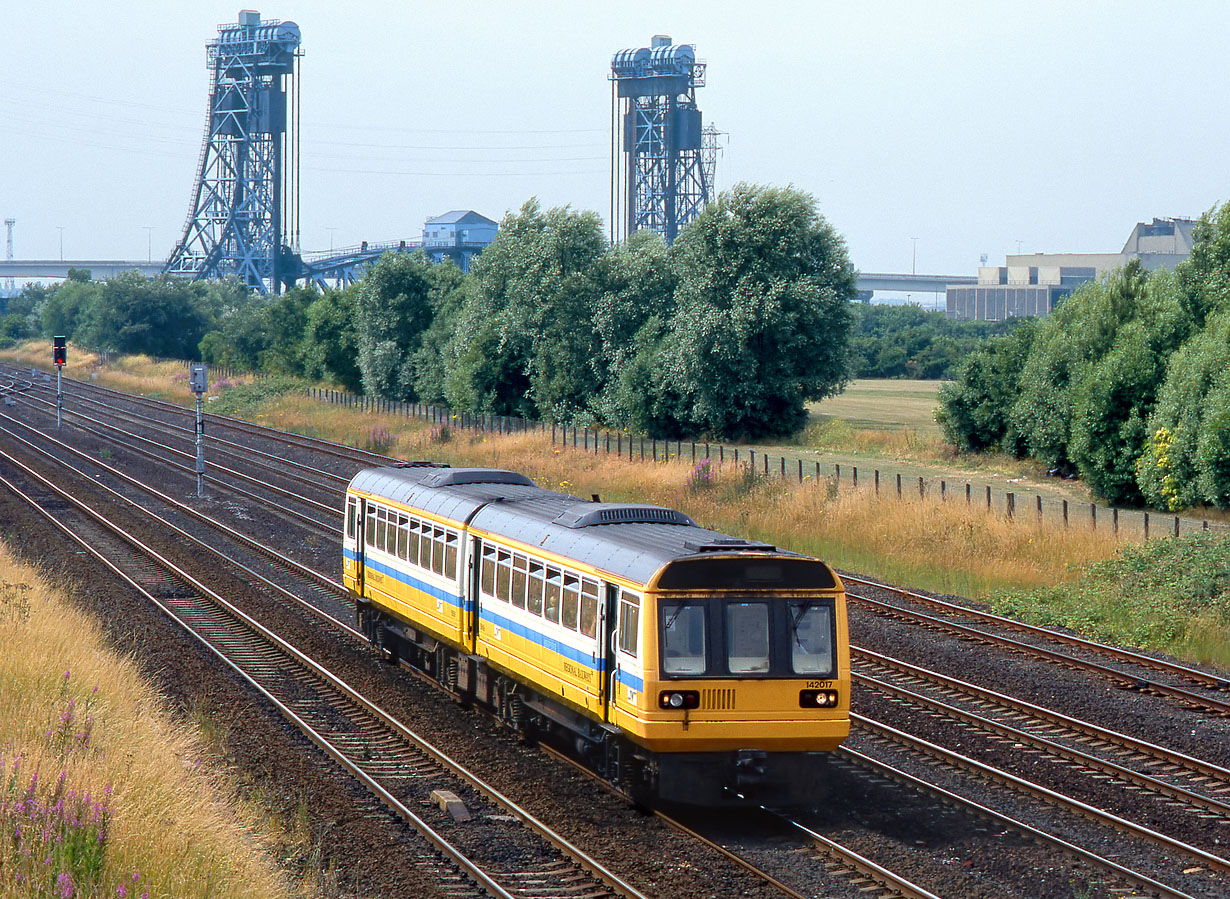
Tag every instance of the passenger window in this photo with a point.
(352, 512)
(488, 573)
(683, 638)
(572, 601)
(589, 607)
(518, 581)
(415, 540)
(503, 575)
(629, 622)
(403, 536)
(381, 518)
(437, 550)
(811, 637)
(747, 637)
(371, 526)
(534, 598)
(450, 554)
(551, 595)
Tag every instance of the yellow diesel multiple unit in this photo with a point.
(683, 664)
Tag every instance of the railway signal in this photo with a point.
(59, 355)
(198, 380)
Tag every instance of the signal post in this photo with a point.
(198, 381)
(59, 355)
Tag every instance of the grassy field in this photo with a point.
(887, 405)
(91, 767)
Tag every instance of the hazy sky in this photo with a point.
(973, 127)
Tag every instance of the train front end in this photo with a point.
(744, 678)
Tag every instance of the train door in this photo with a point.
(608, 636)
(358, 524)
(469, 593)
(629, 682)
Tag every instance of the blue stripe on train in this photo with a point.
(488, 614)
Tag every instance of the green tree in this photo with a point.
(762, 318)
(975, 410)
(330, 342)
(1116, 393)
(524, 338)
(160, 316)
(394, 304)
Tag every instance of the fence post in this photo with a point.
(1146, 525)
(988, 497)
(943, 490)
(1038, 498)
(653, 448)
(1065, 516)
(800, 471)
(837, 472)
(1176, 525)
(751, 455)
(898, 485)
(693, 452)
(783, 467)
(736, 455)
(766, 464)
(608, 443)
(1011, 505)
(920, 487)
(855, 481)
(877, 482)
(817, 472)
(1114, 521)
(1093, 514)
(721, 454)
(968, 498)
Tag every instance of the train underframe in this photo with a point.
(740, 777)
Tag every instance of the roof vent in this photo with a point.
(584, 515)
(729, 544)
(419, 463)
(459, 477)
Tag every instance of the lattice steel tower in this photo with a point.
(245, 203)
(658, 177)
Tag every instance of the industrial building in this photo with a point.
(1035, 283)
(459, 235)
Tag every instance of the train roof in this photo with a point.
(633, 541)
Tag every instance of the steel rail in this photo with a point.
(1201, 700)
(1141, 747)
(226, 447)
(592, 866)
(1106, 864)
(306, 520)
(1053, 797)
(296, 568)
(1212, 681)
(1075, 756)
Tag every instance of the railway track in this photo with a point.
(1199, 792)
(404, 771)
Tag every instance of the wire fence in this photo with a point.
(1017, 506)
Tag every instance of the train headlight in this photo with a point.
(818, 699)
(679, 699)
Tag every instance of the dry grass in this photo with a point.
(72, 710)
(943, 546)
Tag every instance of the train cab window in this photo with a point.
(371, 525)
(487, 582)
(747, 637)
(811, 637)
(534, 596)
(589, 607)
(503, 575)
(629, 622)
(571, 601)
(437, 550)
(450, 554)
(683, 638)
(352, 513)
(551, 594)
(518, 580)
(403, 537)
